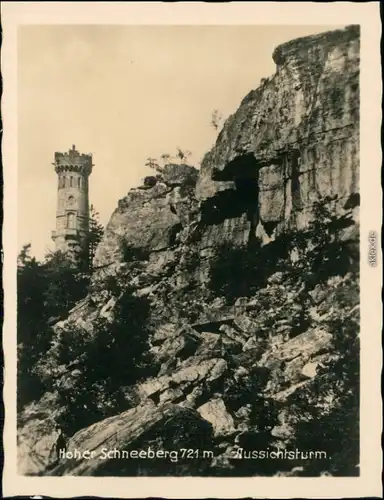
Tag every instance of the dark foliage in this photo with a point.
(133, 254)
(46, 291)
(239, 271)
(113, 357)
(311, 255)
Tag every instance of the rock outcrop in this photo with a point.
(150, 217)
(256, 372)
(146, 440)
(291, 141)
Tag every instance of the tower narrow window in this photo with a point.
(71, 221)
(79, 182)
(71, 181)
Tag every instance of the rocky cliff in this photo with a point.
(249, 274)
(296, 137)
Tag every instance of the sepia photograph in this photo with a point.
(189, 251)
(212, 326)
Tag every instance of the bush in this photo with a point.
(230, 272)
(330, 404)
(239, 271)
(114, 356)
(133, 254)
(321, 253)
(46, 292)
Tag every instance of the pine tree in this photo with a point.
(96, 232)
(84, 254)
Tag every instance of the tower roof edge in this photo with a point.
(72, 160)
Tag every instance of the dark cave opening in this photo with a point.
(224, 205)
(234, 202)
(247, 189)
(245, 166)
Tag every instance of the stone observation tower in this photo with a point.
(72, 214)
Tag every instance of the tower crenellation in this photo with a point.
(72, 215)
(73, 161)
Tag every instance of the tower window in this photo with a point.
(79, 182)
(71, 182)
(71, 221)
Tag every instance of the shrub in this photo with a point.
(330, 404)
(46, 292)
(239, 271)
(229, 272)
(321, 253)
(133, 254)
(113, 357)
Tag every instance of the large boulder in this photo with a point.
(306, 344)
(179, 174)
(146, 440)
(188, 375)
(215, 412)
(37, 435)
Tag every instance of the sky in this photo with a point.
(126, 93)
